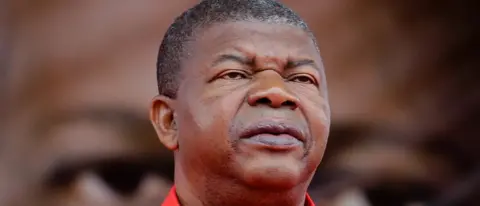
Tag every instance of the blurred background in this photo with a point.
(76, 79)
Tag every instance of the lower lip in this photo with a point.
(274, 142)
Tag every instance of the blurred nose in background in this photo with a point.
(77, 78)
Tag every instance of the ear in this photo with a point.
(162, 116)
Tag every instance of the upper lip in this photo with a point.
(273, 127)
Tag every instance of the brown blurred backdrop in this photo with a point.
(77, 78)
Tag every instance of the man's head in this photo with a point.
(242, 96)
(176, 41)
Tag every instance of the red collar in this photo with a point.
(172, 199)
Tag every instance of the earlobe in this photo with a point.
(162, 116)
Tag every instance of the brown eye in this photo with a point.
(305, 79)
(233, 75)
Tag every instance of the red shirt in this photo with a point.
(172, 199)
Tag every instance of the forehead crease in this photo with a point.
(272, 46)
(256, 39)
(238, 30)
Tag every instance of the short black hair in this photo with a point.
(207, 13)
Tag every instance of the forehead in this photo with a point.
(256, 39)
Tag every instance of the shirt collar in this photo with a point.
(172, 199)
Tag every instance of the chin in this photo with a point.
(273, 174)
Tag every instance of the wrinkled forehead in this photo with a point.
(256, 39)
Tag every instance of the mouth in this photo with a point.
(277, 135)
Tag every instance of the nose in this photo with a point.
(272, 92)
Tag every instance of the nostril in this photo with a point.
(264, 101)
(289, 103)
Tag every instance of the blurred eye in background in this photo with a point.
(112, 182)
(102, 157)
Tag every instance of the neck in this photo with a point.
(220, 191)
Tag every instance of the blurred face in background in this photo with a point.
(88, 158)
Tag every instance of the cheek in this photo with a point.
(212, 111)
(203, 129)
(199, 129)
(317, 113)
(207, 113)
(315, 105)
(220, 102)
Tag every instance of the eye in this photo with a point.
(305, 79)
(125, 178)
(234, 75)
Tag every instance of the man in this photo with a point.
(243, 104)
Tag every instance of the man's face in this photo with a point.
(252, 105)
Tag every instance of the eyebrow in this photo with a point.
(248, 61)
(302, 62)
(231, 57)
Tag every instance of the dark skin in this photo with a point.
(241, 75)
